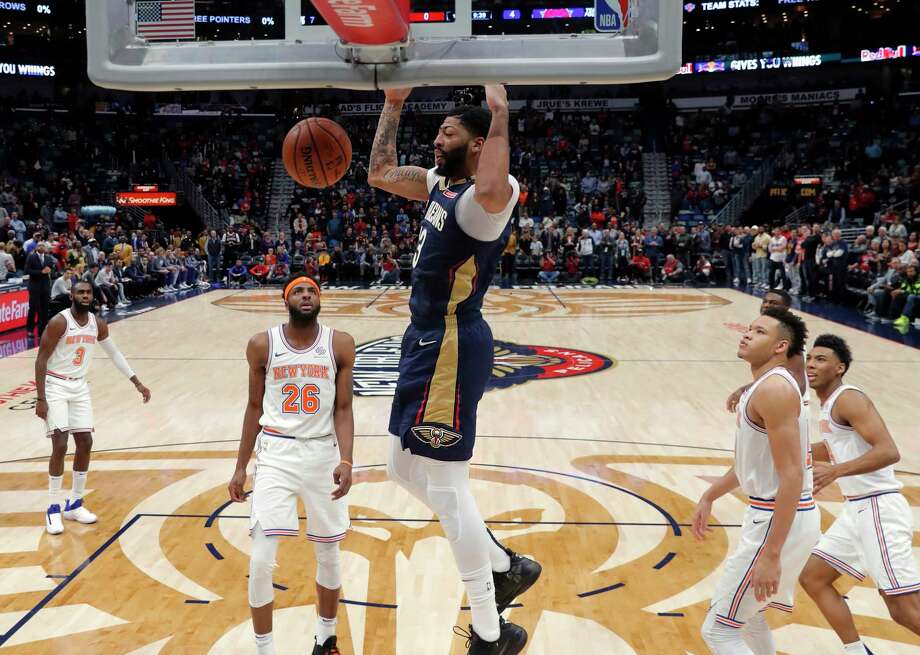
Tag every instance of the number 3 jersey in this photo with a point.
(299, 395)
(451, 270)
(74, 351)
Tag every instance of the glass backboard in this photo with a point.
(450, 43)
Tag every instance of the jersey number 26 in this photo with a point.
(300, 400)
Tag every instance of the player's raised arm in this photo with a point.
(493, 190)
(257, 356)
(384, 172)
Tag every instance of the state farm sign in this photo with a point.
(14, 309)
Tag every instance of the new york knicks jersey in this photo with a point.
(451, 271)
(74, 351)
(753, 459)
(299, 394)
(845, 444)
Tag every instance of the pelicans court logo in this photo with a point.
(377, 365)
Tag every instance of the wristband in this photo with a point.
(345, 461)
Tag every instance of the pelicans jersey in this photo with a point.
(297, 451)
(734, 602)
(447, 350)
(299, 387)
(66, 389)
(873, 534)
(451, 271)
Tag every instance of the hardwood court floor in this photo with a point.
(594, 447)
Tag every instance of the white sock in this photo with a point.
(79, 484)
(481, 593)
(325, 628)
(501, 561)
(265, 644)
(856, 648)
(55, 482)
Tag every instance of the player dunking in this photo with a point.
(772, 467)
(447, 349)
(300, 390)
(874, 533)
(64, 403)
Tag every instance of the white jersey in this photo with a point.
(299, 387)
(845, 444)
(74, 351)
(753, 459)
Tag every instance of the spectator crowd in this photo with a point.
(579, 217)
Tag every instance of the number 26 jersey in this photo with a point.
(299, 398)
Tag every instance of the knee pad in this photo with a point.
(261, 564)
(446, 504)
(328, 565)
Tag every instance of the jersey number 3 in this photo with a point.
(80, 354)
(299, 400)
(421, 244)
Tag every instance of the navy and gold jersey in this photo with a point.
(451, 271)
(447, 350)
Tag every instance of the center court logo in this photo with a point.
(377, 365)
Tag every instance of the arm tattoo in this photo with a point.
(410, 173)
(383, 152)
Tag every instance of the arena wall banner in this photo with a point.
(798, 97)
(15, 69)
(746, 101)
(361, 108)
(14, 309)
(585, 104)
(443, 106)
(158, 199)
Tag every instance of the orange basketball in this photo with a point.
(317, 152)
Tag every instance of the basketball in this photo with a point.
(317, 152)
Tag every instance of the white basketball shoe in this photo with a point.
(74, 511)
(53, 522)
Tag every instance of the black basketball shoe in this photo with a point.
(511, 640)
(328, 648)
(516, 580)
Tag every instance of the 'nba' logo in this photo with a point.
(612, 15)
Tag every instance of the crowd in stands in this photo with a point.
(230, 161)
(713, 155)
(122, 264)
(579, 217)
